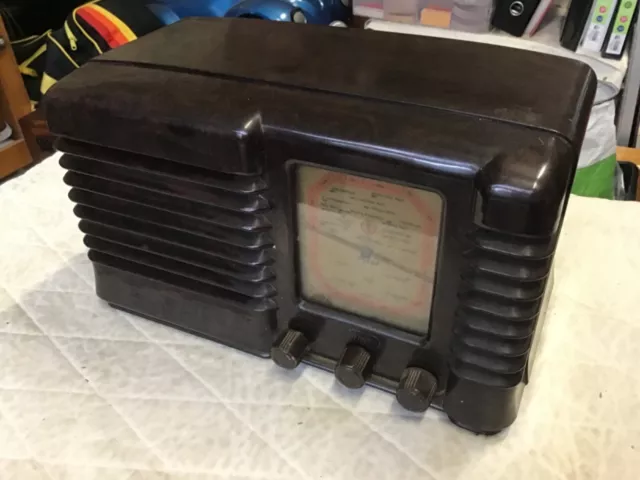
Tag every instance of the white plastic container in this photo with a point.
(472, 15)
(403, 11)
(465, 15)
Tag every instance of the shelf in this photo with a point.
(14, 156)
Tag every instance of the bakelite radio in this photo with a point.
(379, 205)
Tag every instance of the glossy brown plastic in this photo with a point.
(183, 148)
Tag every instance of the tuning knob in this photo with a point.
(354, 367)
(290, 349)
(417, 389)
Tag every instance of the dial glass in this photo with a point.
(368, 247)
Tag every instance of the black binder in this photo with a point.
(577, 18)
(513, 16)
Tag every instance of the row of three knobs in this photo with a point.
(416, 388)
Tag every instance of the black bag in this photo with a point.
(31, 55)
(25, 18)
(89, 30)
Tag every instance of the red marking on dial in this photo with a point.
(426, 258)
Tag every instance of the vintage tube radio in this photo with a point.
(378, 205)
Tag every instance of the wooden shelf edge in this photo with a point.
(15, 156)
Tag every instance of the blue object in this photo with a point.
(199, 8)
(165, 13)
(321, 12)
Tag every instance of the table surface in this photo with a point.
(87, 392)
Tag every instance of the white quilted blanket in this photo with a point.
(87, 392)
